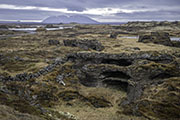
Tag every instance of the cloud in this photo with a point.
(141, 16)
(101, 10)
(92, 11)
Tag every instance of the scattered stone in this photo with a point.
(85, 44)
(21, 77)
(26, 76)
(59, 79)
(68, 115)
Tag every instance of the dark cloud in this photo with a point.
(158, 15)
(25, 15)
(89, 3)
(142, 9)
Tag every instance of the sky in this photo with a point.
(99, 10)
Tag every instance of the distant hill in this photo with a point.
(70, 19)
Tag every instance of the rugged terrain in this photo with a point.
(91, 72)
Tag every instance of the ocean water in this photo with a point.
(137, 37)
(34, 29)
(175, 38)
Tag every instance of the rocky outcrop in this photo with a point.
(157, 38)
(53, 42)
(85, 44)
(114, 35)
(127, 72)
(121, 59)
(148, 78)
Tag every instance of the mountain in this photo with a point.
(69, 19)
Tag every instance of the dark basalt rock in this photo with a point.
(157, 38)
(28, 76)
(85, 44)
(114, 35)
(121, 59)
(126, 72)
(99, 75)
(116, 84)
(17, 58)
(53, 42)
(136, 48)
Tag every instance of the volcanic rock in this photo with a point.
(53, 42)
(114, 35)
(157, 38)
(127, 72)
(85, 44)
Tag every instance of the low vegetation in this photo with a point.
(126, 80)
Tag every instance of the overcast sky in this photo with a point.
(100, 10)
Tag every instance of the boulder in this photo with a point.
(85, 44)
(157, 38)
(114, 35)
(53, 42)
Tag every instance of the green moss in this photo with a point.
(99, 102)
(18, 104)
(15, 66)
(70, 95)
(158, 102)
